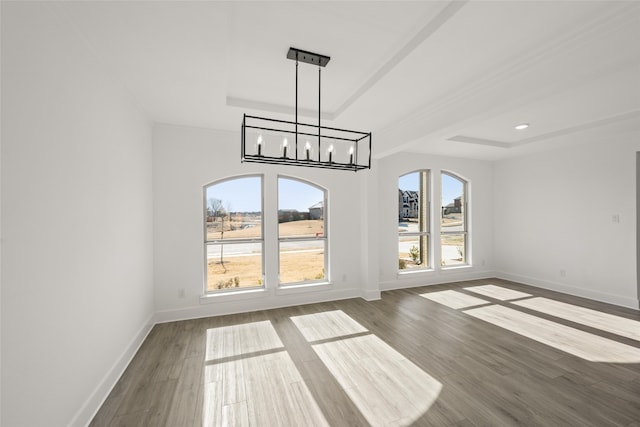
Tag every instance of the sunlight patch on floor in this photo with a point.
(387, 388)
(236, 340)
(263, 390)
(497, 292)
(454, 299)
(573, 341)
(585, 316)
(325, 325)
(251, 380)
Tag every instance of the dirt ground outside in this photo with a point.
(245, 270)
(253, 229)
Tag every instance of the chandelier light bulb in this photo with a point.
(307, 148)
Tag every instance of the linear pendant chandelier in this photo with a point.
(283, 142)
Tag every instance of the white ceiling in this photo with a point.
(440, 77)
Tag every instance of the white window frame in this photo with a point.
(325, 236)
(465, 220)
(208, 242)
(427, 220)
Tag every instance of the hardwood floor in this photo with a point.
(480, 353)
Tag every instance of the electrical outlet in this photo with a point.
(563, 273)
(181, 293)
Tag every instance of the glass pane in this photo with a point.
(302, 261)
(412, 202)
(300, 209)
(234, 209)
(453, 249)
(452, 211)
(413, 252)
(234, 265)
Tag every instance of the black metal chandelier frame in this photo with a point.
(359, 143)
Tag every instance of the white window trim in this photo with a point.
(307, 285)
(240, 291)
(430, 266)
(467, 252)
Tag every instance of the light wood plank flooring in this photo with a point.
(497, 292)
(427, 356)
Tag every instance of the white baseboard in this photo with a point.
(414, 280)
(372, 295)
(254, 304)
(91, 406)
(571, 290)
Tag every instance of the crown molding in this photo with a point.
(630, 115)
(276, 108)
(479, 141)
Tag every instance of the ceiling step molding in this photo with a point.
(423, 34)
(412, 127)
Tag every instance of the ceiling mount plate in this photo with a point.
(308, 57)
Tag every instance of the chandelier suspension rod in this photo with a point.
(296, 105)
(319, 127)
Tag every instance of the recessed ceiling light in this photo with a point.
(522, 126)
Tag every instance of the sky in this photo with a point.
(238, 195)
(243, 194)
(451, 187)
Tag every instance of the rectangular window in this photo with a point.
(453, 221)
(233, 230)
(413, 221)
(302, 232)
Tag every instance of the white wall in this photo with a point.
(479, 175)
(0, 228)
(185, 160)
(76, 220)
(554, 219)
(638, 223)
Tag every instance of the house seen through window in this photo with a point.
(453, 221)
(302, 231)
(413, 221)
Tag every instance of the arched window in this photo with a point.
(302, 232)
(453, 221)
(413, 221)
(233, 234)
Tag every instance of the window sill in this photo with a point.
(233, 296)
(455, 267)
(304, 287)
(414, 272)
